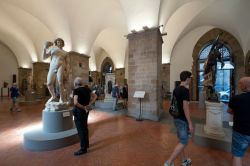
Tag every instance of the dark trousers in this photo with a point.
(81, 122)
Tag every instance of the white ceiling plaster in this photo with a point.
(86, 25)
(116, 49)
(17, 40)
(89, 18)
(167, 8)
(33, 28)
(176, 24)
(141, 13)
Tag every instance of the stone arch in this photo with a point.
(247, 64)
(106, 61)
(237, 55)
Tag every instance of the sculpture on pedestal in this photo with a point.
(58, 70)
(58, 129)
(214, 108)
(210, 69)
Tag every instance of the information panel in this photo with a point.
(139, 94)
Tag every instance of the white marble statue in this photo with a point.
(58, 69)
(30, 82)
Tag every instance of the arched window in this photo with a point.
(107, 68)
(223, 76)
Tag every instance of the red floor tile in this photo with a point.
(115, 140)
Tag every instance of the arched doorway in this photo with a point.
(236, 56)
(106, 67)
(224, 74)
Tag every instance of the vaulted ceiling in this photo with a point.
(97, 27)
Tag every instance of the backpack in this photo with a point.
(173, 109)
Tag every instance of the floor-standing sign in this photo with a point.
(140, 95)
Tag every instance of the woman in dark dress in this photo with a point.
(125, 95)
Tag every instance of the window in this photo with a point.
(107, 68)
(223, 75)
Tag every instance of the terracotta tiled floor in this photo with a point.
(115, 140)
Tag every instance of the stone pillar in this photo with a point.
(144, 66)
(79, 65)
(23, 74)
(40, 72)
(96, 76)
(214, 119)
(165, 75)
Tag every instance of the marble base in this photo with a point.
(56, 106)
(213, 141)
(58, 121)
(58, 131)
(214, 119)
(38, 140)
(108, 97)
(219, 132)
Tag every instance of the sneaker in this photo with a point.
(167, 164)
(18, 110)
(186, 162)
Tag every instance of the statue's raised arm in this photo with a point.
(46, 53)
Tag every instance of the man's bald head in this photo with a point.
(244, 84)
(78, 82)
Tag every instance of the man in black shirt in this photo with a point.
(182, 122)
(83, 99)
(239, 106)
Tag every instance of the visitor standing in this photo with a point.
(183, 121)
(83, 99)
(239, 106)
(14, 93)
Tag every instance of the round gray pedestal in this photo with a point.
(58, 131)
(57, 121)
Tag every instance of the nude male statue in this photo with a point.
(57, 68)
